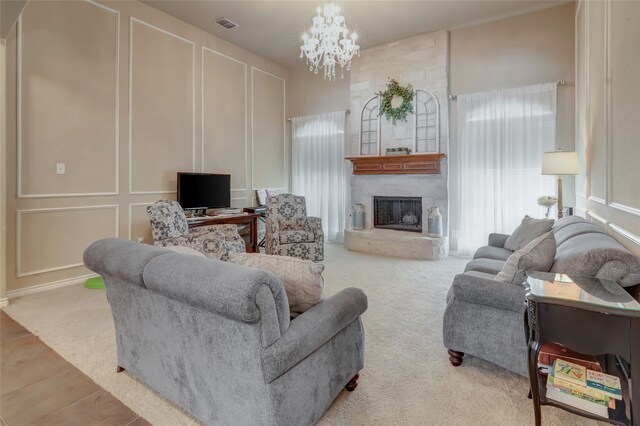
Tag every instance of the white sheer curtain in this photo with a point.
(502, 136)
(318, 168)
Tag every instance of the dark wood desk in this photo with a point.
(247, 227)
(591, 316)
(262, 212)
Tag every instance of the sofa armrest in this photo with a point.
(476, 288)
(497, 240)
(311, 330)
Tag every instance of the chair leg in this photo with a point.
(353, 383)
(119, 369)
(455, 357)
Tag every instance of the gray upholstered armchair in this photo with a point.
(169, 228)
(290, 232)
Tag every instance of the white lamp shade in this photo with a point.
(560, 163)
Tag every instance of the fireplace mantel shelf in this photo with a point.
(397, 164)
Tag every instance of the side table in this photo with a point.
(589, 315)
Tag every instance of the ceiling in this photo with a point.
(272, 29)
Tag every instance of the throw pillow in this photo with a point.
(527, 231)
(302, 279)
(185, 250)
(538, 255)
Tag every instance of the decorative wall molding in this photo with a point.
(133, 20)
(246, 105)
(245, 199)
(597, 200)
(116, 190)
(284, 125)
(598, 218)
(131, 206)
(4, 302)
(635, 239)
(625, 208)
(47, 286)
(608, 106)
(19, 213)
(615, 216)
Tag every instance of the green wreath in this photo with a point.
(405, 108)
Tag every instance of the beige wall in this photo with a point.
(608, 122)
(3, 147)
(529, 49)
(125, 96)
(311, 94)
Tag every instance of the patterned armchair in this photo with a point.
(289, 232)
(169, 228)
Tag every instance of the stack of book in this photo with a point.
(585, 389)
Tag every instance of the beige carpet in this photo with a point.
(407, 379)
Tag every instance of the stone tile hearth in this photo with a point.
(386, 242)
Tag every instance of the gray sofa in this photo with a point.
(216, 338)
(485, 317)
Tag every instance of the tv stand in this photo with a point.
(247, 227)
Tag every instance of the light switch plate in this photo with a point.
(60, 168)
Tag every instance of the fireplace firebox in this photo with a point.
(399, 213)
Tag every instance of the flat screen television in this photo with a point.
(204, 190)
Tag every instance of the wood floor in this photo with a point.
(38, 387)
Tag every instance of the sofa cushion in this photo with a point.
(597, 255)
(576, 228)
(528, 230)
(301, 278)
(567, 220)
(538, 255)
(489, 252)
(489, 266)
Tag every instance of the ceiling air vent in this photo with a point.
(227, 23)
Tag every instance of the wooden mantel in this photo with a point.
(397, 164)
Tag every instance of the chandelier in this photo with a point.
(329, 43)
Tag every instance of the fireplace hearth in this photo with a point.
(398, 213)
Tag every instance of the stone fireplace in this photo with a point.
(422, 62)
(399, 213)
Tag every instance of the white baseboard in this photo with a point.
(48, 286)
(4, 302)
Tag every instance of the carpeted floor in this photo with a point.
(407, 379)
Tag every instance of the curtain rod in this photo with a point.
(559, 83)
(346, 112)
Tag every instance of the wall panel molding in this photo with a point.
(629, 236)
(48, 286)
(620, 25)
(626, 209)
(598, 218)
(130, 219)
(19, 228)
(116, 163)
(133, 21)
(202, 113)
(284, 126)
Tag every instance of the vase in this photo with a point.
(358, 216)
(434, 222)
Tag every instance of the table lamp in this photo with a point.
(560, 163)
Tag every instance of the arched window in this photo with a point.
(427, 122)
(370, 127)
